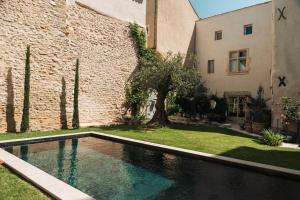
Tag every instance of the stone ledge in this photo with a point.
(51, 185)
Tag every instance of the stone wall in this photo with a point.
(59, 34)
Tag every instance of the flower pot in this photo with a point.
(258, 127)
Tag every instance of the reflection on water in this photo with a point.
(61, 159)
(72, 179)
(24, 153)
(108, 170)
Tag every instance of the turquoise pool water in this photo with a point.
(113, 171)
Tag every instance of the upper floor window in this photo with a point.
(218, 35)
(248, 29)
(211, 67)
(238, 61)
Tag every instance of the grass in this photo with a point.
(12, 188)
(212, 140)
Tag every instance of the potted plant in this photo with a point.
(259, 112)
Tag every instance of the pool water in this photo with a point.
(108, 170)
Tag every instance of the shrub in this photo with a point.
(271, 138)
(194, 104)
(26, 101)
(218, 109)
(136, 98)
(259, 111)
(75, 120)
(289, 108)
(134, 120)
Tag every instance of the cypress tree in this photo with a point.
(75, 120)
(26, 102)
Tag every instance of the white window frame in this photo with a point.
(238, 59)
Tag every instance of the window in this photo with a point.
(248, 29)
(211, 67)
(238, 61)
(237, 106)
(218, 35)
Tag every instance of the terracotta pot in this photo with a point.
(258, 127)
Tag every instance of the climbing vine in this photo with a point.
(139, 36)
(136, 95)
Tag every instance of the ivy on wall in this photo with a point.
(139, 36)
(136, 95)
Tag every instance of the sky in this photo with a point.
(207, 8)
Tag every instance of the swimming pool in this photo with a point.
(110, 170)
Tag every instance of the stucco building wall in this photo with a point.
(126, 10)
(259, 46)
(175, 26)
(286, 52)
(59, 34)
(151, 18)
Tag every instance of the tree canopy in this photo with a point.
(165, 74)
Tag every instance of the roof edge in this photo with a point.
(247, 7)
(194, 10)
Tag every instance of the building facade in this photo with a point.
(234, 54)
(255, 46)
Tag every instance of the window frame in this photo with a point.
(238, 59)
(245, 29)
(209, 71)
(216, 35)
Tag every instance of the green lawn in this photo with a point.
(212, 140)
(12, 188)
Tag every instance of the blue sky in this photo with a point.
(206, 8)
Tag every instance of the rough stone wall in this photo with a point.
(59, 34)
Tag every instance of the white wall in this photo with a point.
(259, 45)
(127, 10)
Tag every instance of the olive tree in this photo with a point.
(167, 74)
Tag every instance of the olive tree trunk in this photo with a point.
(160, 116)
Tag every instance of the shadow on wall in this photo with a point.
(10, 105)
(63, 103)
(279, 158)
(190, 54)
